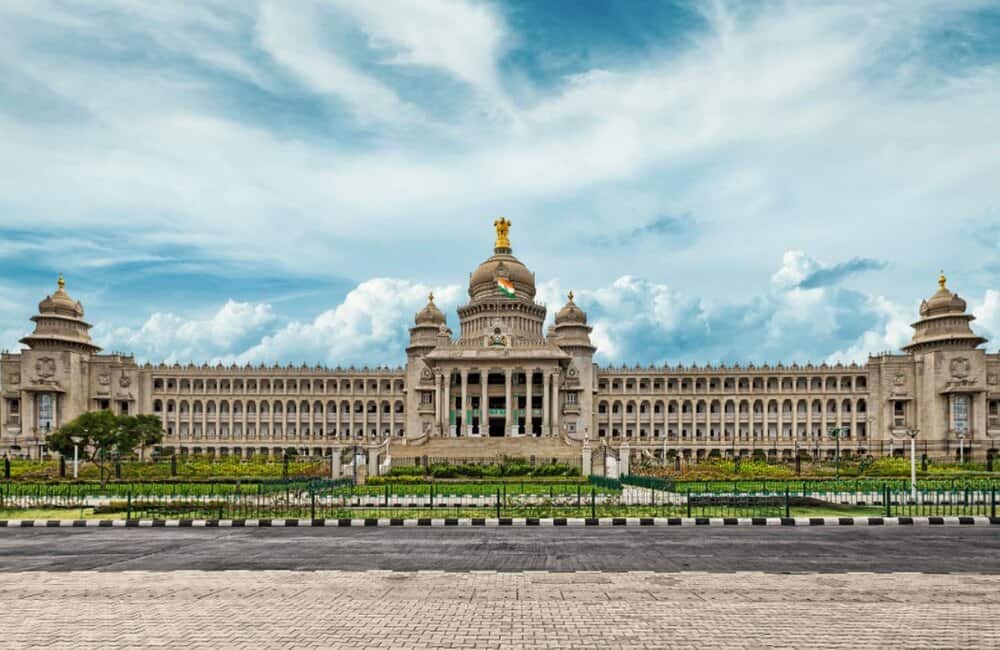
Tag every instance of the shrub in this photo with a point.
(415, 470)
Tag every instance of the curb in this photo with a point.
(494, 523)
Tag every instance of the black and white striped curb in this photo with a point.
(529, 521)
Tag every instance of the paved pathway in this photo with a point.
(780, 549)
(268, 609)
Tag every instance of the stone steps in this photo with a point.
(490, 448)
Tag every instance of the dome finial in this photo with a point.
(942, 281)
(430, 297)
(503, 230)
(61, 282)
(570, 295)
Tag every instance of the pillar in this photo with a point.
(555, 403)
(508, 405)
(373, 460)
(546, 427)
(437, 401)
(446, 416)
(585, 458)
(484, 403)
(466, 420)
(335, 463)
(527, 404)
(623, 461)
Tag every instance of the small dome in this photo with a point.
(430, 314)
(943, 301)
(60, 302)
(571, 314)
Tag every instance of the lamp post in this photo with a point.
(836, 433)
(76, 455)
(912, 433)
(961, 448)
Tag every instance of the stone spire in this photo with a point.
(59, 323)
(943, 323)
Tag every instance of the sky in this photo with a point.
(284, 181)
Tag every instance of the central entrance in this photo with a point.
(496, 427)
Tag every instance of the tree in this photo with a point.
(104, 435)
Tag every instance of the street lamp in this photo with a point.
(961, 448)
(912, 433)
(836, 433)
(76, 455)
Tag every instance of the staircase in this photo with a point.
(491, 448)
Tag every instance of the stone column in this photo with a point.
(623, 459)
(373, 460)
(585, 457)
(465, 402)
(437, 401)
(527, 404)
(546, 426)
(446, 416)
(484, 404)
(335, 463)
(508, 406)
(555, 402)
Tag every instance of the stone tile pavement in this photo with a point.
(434, 609)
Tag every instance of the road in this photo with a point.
(717, 550)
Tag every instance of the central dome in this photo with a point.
(483, 282)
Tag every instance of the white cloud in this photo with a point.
(988, 317)
(368, 327)
(291, 35)
(465, 39)
(169, 338)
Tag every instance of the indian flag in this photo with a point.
(506, 287)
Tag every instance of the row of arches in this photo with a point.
(835, 383)
(252, 407)
(280, 432)
(270, 385)
(730, 407)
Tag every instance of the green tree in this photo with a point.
(104, 435)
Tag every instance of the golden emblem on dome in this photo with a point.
(503, 229)
(61, 282)
(942, 281)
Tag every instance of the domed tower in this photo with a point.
(428, 324)
(59, 324)
(502, 296)
(572, 334)
(941, 389)
(943, 323)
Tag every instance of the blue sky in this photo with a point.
(283, 181)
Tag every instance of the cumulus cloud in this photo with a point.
(368, 328)
(834, 274)
(170, 338)
(634, 320)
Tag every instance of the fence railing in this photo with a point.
(341, 499)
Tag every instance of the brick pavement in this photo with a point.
(340, 609)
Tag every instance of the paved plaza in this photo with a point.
(501, 588)
(338, 609)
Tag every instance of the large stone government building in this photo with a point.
(504, 376)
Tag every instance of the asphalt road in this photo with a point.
(770, 549)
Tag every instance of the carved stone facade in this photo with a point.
(505, 376)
